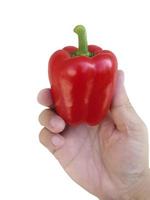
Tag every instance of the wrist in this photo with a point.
(138, 191)
(142, 190)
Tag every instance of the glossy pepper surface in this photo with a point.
(82, 81)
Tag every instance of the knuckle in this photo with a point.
(137, 125)
(42, 115)
(125, 106)
(41, 134)
(133, 125)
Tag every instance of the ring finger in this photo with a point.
(51, 121)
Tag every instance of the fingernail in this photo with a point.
(56, 123)
(57, 140)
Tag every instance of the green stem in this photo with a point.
(82, 39)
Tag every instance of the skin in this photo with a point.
(109, 160)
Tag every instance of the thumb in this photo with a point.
(123, 113)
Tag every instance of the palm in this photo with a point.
(101, 157)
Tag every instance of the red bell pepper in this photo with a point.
(82, 81)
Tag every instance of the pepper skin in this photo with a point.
(82, 81)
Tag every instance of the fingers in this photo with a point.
(49, 135)
(123, 113)
(51, 141)
(53, 124)
(51, 121)
(44, 97)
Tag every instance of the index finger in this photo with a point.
(44, 97)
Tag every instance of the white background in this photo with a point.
(30, 31)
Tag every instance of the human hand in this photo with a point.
(109, 160)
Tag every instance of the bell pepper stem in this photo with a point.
(82, 40)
